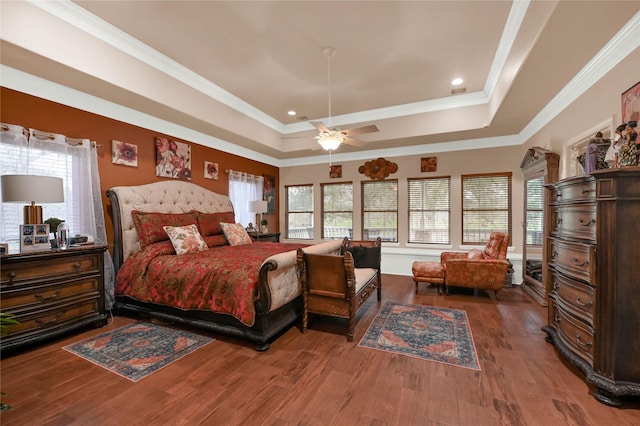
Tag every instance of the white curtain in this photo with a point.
(73, 160)
(243, 188)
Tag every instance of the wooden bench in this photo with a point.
(338, 285)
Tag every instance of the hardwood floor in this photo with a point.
(320, 379)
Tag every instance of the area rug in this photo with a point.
(137, 350)
(427, 332)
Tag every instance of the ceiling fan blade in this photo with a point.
(361, 130)
(354, 142)
(319, 125)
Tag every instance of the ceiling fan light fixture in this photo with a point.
(330, 142)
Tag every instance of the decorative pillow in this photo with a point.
(216, 240)
(476, 254)
(364, 257)
(186, 239)
(150, 225)
(235, 234)
(209, 223)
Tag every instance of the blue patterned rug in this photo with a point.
(137, 350)
(427, 332)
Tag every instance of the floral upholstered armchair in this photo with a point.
(482, 269)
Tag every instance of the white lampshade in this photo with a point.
(258, 206)
(32, 189)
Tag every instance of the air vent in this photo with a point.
(458, 91)
(302, 118)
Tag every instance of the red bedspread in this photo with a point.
(222, 279)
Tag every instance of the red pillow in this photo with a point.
(150, 225)
(216, 240)
(209, 223)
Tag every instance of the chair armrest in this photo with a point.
(447, 255)
(479, 273)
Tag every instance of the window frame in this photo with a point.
(410, 210)
(363, 211)
(287, 212)
(323, 211)
(509, 210)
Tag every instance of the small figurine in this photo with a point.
(591, 154)
(629, 150)
(250, 227)
(613, 153)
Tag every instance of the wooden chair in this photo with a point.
(333, 285)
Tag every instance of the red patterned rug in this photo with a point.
(427, 332)
(137, 350)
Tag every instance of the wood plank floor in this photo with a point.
(320, 379)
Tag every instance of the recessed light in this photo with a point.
(292, 112)
(457, 81)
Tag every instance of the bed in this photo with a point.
(251, 291)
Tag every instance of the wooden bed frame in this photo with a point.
(180, 197)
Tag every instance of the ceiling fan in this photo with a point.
(330, 138)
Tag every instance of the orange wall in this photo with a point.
(37, 113)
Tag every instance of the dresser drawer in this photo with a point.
(46, 293)
(576, 260)
(55, 266)
(577, 221)
(580, 189)
(578, 297)
(575, 334)
(39, 320)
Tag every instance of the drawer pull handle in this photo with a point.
(583, 304)
(575, 262)
(554, 254)
(558, 221)
(556, 286)
(77, 265)
(580, 342)
(587, 223)
(52, 320)
(558, 194)
(42, 298)
(586, 191)
(12, 275)
(556, 318)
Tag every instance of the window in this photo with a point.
(429, 210)
(243, 188)
(337, 210)
(486, 206)
(380, 210)
(299, 211)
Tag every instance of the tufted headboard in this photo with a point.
(160, 197)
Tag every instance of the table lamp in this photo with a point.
(32, 189)
(258, 207)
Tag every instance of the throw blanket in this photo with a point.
(222, 279)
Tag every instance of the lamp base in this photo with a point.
(32, 214)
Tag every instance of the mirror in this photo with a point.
(539, 167)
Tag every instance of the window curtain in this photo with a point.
(243, 188)
(73, 160)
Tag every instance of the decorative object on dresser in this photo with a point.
(539, 167)
(52, 293)
(259, 207)
(594, 320)
(32, 189)
(269, 237)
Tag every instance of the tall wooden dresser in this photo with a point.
(594, 266)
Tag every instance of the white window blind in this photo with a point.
(337, 210)
(486, 206)
(380, 210)
(429, 210)
(299, 211)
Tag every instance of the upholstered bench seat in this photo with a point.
(428, 272)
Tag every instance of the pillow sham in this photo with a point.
(235, 234)
(186, 239)
(209, 223)
(149, 226)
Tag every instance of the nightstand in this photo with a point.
(273, 237)
(51, 293)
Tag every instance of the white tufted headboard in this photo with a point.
(160, 197)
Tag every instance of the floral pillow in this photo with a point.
(186, 239)
(235, 234)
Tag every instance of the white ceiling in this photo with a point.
(232, 69)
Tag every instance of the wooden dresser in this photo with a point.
(593, 249)
(51, 293)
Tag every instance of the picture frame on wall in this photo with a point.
(211, 170)
(34, 237)
(173, 159)
(631, 103)
(429, 164)
(124, 153)
(269, 193)
(335, 171)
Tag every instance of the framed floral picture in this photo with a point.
(210, 170)
(173, 159)
(335, 171)
(429, 164)
(631, 104)
(124, 153)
